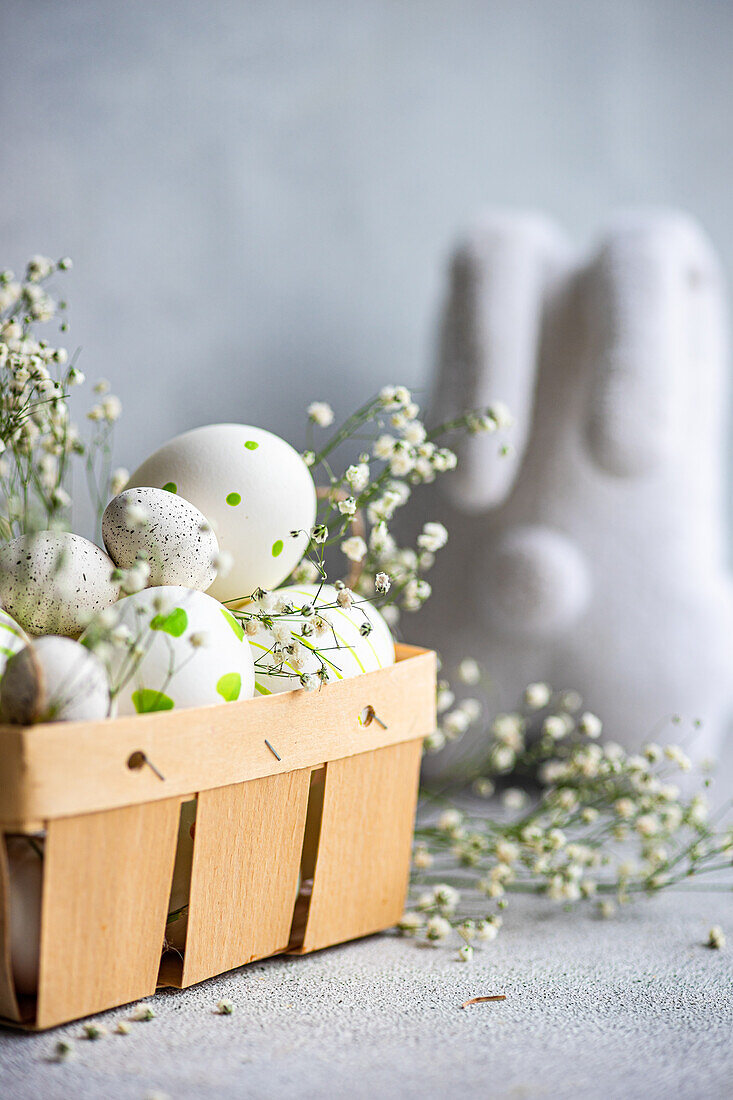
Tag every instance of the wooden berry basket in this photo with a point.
(335, 811)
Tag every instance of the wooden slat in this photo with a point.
(106, 885)
(68, 768)
(244, 880)
(363, 861)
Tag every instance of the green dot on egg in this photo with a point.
(170, 487)
(145, 701)
(174, 623)
(277, 548)
(229, 686)
(251, 445)
(234, 499)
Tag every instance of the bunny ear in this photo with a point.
(488, 344)
(641, 295)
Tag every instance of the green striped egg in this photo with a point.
(344, 650)
(12, 639)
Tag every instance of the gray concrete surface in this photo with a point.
(631, 1007)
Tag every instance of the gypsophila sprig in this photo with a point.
(38, 441)
(352, 535)
(400, 454)
(608, 825)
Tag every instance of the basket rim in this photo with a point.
(59, 769)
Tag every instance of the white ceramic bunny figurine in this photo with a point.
(594, 555)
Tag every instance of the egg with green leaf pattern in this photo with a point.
(192, 652)
(350, 640)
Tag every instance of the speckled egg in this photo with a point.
(54, 582)
(345, 650)
(194, 652)
(166, 531)
(253, 487)
(12, 639)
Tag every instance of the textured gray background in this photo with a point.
(633, 1007)
(259, 197)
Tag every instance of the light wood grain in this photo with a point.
(67, 768)
(363, 859)
(244, 880)
(107, 878)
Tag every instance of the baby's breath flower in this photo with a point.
(222, 563)
(465, 953)
(111, 408)
(471, 708)
(384, 446)
(224, 1007)
(590, 725)
(39, 267)
(437, 929)
(354, 548)
(500, 414)
(422, 858)
(678, 757)
(347, 507)
(382, 583)
(514, 798)
(320, 413)
(716, 937)
(411, 924)
(358, 476)
(555, 727)
(537, 695)
(508, 729)
(469, 671)
(345, 598)
(449, 821)
(486, 931)
(136, 515)
(118, 480)
(434, 537)
(94, 1031)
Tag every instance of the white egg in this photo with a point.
(53, 582)
(166, 531)
(75, 684)
(253, 487)
(54, 679)
(25, 864)
(12, 639)
(194, 652)
(345, 650)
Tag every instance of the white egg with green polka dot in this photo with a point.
(194, 652)
(254, 489)
(12, 639)
(345, 651)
